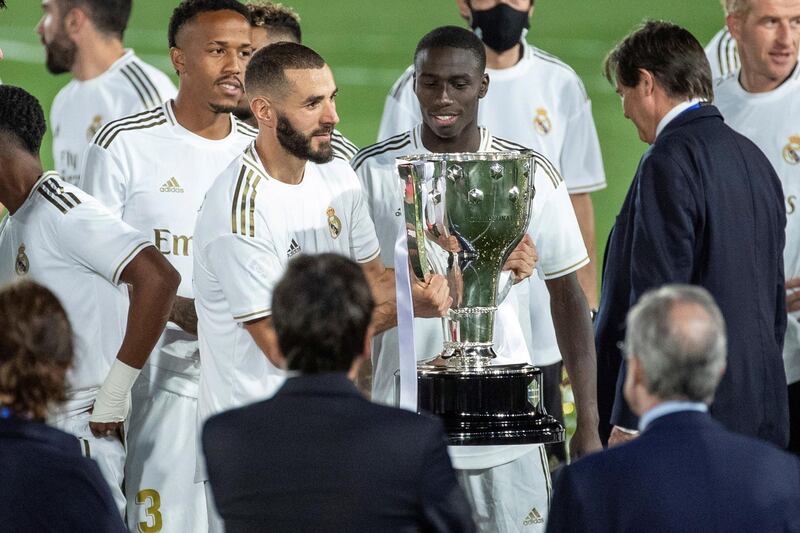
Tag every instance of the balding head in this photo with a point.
(678, 335)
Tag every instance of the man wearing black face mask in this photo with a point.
(539, 102)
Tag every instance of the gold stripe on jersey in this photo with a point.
(395, 142)
(243, 210)
(245, 128)
(148, 119)
(136, 82)
(550, 170)
(55, 194)
(147, 82)
(122, 264)
(567, 269)
(106, 129)
(254, 314)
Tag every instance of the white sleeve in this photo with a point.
(248, 270)
(555, 232)
(364, 246)
(104, 177)
(401, 110)
(98, 240)
(581, 161)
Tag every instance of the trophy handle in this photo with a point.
(414, 217)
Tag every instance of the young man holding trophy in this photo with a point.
(501, 467)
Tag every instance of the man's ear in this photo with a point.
(734, 23)
(484, 85)
(647, 82)
(464, 11)
(178, 59)
(74, 21)
(263, 110)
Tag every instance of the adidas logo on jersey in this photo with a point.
(294, 249)
(534, 517)
(171, 185)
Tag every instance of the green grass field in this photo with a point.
(369, 43)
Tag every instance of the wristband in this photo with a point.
(113, 400)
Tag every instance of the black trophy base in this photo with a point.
(489, 406)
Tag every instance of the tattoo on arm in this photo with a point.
(184, 314)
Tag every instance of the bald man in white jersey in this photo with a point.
(762, 102)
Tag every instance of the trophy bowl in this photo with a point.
(464, 214)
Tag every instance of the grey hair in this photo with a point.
(681, 359)
(736, 7)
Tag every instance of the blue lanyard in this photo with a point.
(6, 412)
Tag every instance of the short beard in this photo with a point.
(299, 145)
(60, 53)
(222, 109)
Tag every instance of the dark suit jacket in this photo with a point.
(704, 208)
(318, 456)
(47, 486)
(684, 473)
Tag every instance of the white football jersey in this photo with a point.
(554, 230)
(554, 118)
(81, 108)
(343, 148)
(153, 173)
(66, 240)
(249, 227)
(722, 54)
(772, 121)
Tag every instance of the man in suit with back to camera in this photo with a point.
(318, 456)
(686, 472)
(705, 208)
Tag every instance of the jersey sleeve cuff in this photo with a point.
(370, 257)
(254, 315)
(138, 247)
(567, 270)
(592, 187)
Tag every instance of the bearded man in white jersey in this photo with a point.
(285, 195)
(508, 486)
(153, 170)
(538, 101)
(763, 104)
(84, 38)
(276, 23)
(62, 238)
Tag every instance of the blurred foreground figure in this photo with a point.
(334, 461)
(686, 472)
(45, 482)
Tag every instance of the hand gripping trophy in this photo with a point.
(464, 215)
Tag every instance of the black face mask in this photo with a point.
(500, 28)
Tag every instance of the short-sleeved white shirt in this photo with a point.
(539, 103)
(81, 108)
(248, 229)
(66, 240)
(772, 121)
(554, 230)
(153, 173)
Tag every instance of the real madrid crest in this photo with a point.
(97, 123)
(334, 224)
(542, 122)
(791, 152)
(21, 265)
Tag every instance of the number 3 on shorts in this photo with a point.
(152, 500)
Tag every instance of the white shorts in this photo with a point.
(159, 473)
(511, 498)
(107, 452)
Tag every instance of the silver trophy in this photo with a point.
(465, 213)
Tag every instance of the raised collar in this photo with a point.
(704, 111)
